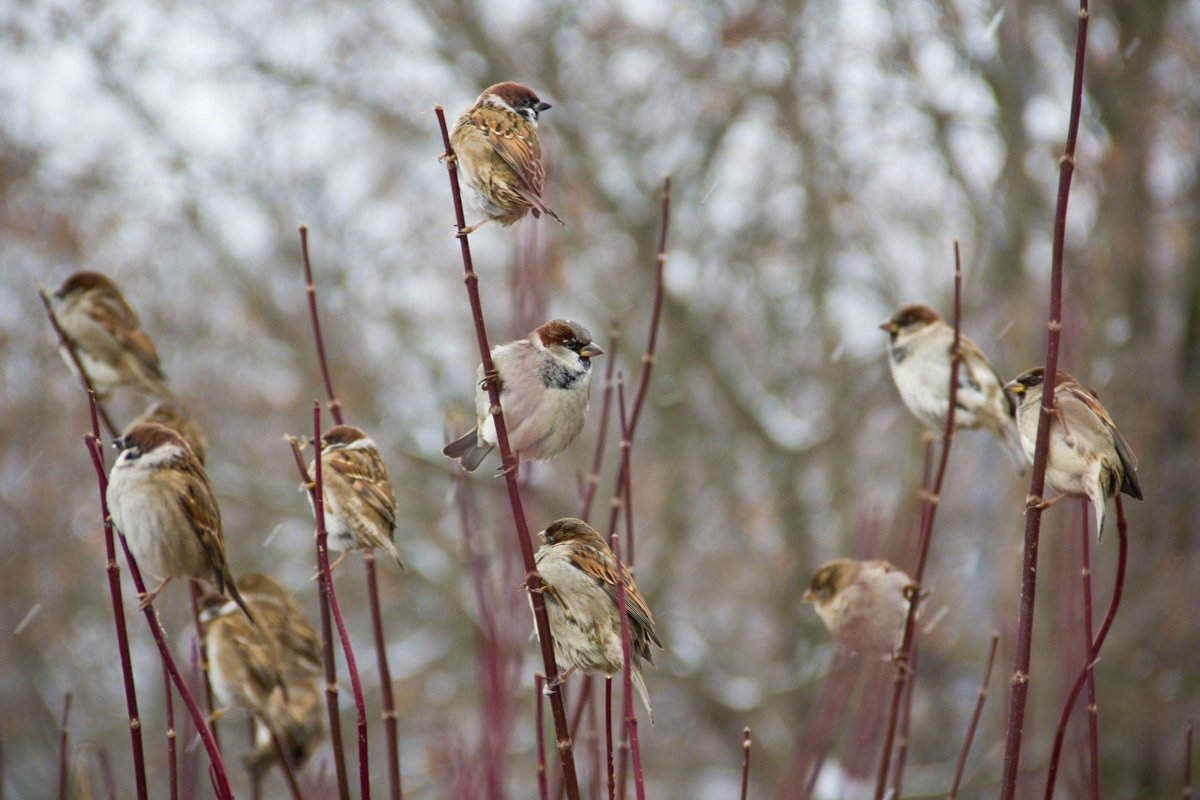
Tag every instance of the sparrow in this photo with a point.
(160, 499)
(360, 508)
(173, 415)
(545, 382)
(496, 147)
(273, 671)
(864, 604)
(107, 336)
(1088, 456)
(919, 355)
(579, 575)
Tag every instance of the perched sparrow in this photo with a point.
(496, 144)
(545, 382)
(863, 603)
(579, 571)
(160, 499)
(283, 694)
(1088, 456)
(108, 338)
(360, 509)
(920, 356)
(173, 415)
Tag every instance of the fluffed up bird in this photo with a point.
(161, 501)
(919, 355)
(360, 507)
(173, 415)
(499, 157)
(864, 604)
(579, 571)
(1088, 456)
(108, 338)
(272, 671)
(545, 383)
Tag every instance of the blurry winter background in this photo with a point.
(824, 156)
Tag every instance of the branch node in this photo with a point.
(1020, 678)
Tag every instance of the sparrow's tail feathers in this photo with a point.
(1097, 498)
(466, 450)
(390, 546)
(231, 587)
(639, 683)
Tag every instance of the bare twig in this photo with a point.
(1187, 763)
(118, 607)
(390, 718)
(217, 765)
(975, 715)
(745, 762)
(639, 784)
(331, 687)
(533, 581)
(1093, 710)
(172, 761)
(1106, 623)
(65, 342)
(902, 736)
(317, 492)
(62, 748)
(1033, 516)
(929, 507)
(593, 479)
(539, 680)
(197, 594)
(608, 737)
(285, 763)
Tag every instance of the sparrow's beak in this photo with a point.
(591, 350)
(541, 536)
(889, 326)
(808, 597)
(542, 106)
(1015, 387)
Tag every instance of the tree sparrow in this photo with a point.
(1088, 456)
(496, 145)
(360, 508)
(545, 382)
(579, 571)
(864, 604)
(173, 415)
(108, 338)
(161, 501)
(920, 355)
(273, 671)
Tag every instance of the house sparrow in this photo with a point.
(161, 501)
(579, 573)
(496, 145)
(864, 604)
(360, 508)
(173, 415)
(1088, 456)
(545, 382)
(282, 694)
(920, 355)
(108, 338)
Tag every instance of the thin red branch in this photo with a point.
(929, 509)
(172, 761)
(533, 581)
(62, 748)
(390, 717)
(217, 765)
(539, 680)
(745, 762)
(197, 594)
(1093, 710)
(65, 342)
(975, 715)
(639, 784)
(1033, 517)
(1113, 604)
(608, 737)
(318, 497)
(285, 764)
(113, 569)
(593, 479)
(331, 687)
(902, 737)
